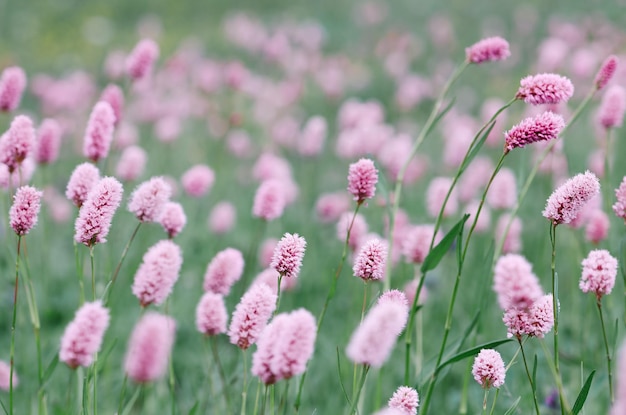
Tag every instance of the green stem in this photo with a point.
(280, 279)
(407, 335)
(285, 399)
(95, 384)
(355, 401)
(493, 405)
(556, 376)
(93, 273)
(555, 306)
(79, 273)
(220, 369)
(256, 400)
(122, 394)
(606, 348)
(119, 264)
(12, 357)
(244, 391)
(530, 379)
(485, 401)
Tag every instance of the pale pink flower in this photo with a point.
(394, 296)
(370, 261)
(114, 95)
(598, 225)
(59, 209)
(99, 132)
(619, 207)
(288, 255)
(114, 65)
(158, 272)
(167, 129)
(484, 220)
(95, 216)
(488, 369)
(503, 191)
(513, 238)
(140, 61)
(266, 251)
(411, 89)
(251, 315)
(330, 206)
(515, 283)
(544, 127)
(149, 347)
(126, 135)
(595, 162)
(198, 180)
(295, 346)
(535, 321)
(17, 143)
(606, 72)
(619, 406)
(211, 315)
(173, 218)
(475, 178)
(436, 194)
(488, 50)
(269, 200)
(405, 399)
(566, 202)
(545, 88)
(84, 177)
(390, 411)
(82, 338)
(357, 232)
(372, 342)
(416, 243)
(362, 179)
(269, 277)
(48, 141)
(270, 166)
(149, 198)
(25, 209)
(392, 157)
(410, 288)
(12, 85)
(312, 137)
(223, 271)
(266, 350)
(599, 272)
(488, 109)
(5, 376)
(239, 144)
(612, 107)
(131, 164)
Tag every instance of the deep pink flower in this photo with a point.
(173, 218)
(83, 336)
(295, 346)
(288, 255)
(114, 95)
(619, 207)
(95, 216)
(251, 315)
(222, 218)
(48, 141)
(370, 262)
(488, 369)
(198, 180)
(140, 61)
(599, 272)
(503, 191)
(149, 198)
(362, 179)
(436, 194)
(488, 50)
(612, 107)
(149, 347)
(545, 88)
(5, 376)
(416, 242)
(544, 127)
(131, 163)
(597, 228)
(158, 272)
(566, 202)
(405, 399)
(99, 132)
(12, 85)
(17, 143)
(515, 283)
(606, 72)
(84, 177)
(223, 271)
(357, 232)
(25, 209)
(211, 315)
(269, 200)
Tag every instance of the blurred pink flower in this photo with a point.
(131, 164)
(488, 369)
(223, 271)
(149, 198)
(410, 288)
(513, 238)
(158, 272)
(474, 178)
(211, 315)
(312, 137)
(149, 347)
(251, 315)
(114, 95)
(295, 346)
(515, 283)
(198, 180)
(566, 201)
(84, 177)
(503, 191)
(266, 251)
(269, 277)
(5, 376)
(606, 72)
(619, 207)
(484, 220)
(488, 50)
(140, 61)
(416, 244)
(12, 85)
(288, 255)
(173, 218)
(599, 272)
(95, 216)
(269, 200)
(545, 88)
(24, 211)
(83, 336)
(598, 225)
(330, 206)
(267, 345)
(612, 108)
(99, 132)
(435, 196)
(394, 296)
(17, 143)
(48, 141)
(357, 232)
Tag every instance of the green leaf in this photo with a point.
(437, 253)
(343, 388)
(194, 408)
(50, 369)
(105, 355)
(513, 407)
(468, 330)
(582, 396)
(471, 352)
(477, 146)
(534, 377)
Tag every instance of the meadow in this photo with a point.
(278, 104)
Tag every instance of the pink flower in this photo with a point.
(370, 262)
(5, 376)
(612, 107)
(17, 143)
(535, 321)
(312, 137)
(488, 369)
(251, 315)
(362, 179)
(474, 178)
(566, 202)
(267, 345)
(394, 296)
(270, 166)
(12, 85)
(269, 200)
(620, 205)
(357, 233)
(25, 209)
(416, 244)
(140, 61)
(545, 88)
(114, 95)
(606, 72)
(405, 399)
(488, 50)
(84, 177)
(544, 127)
(288, 255)
(95, 216)
(512, 239)
(149, 198)
(372, 342)
(99, 133)
(211, 315)
(597, 228)
(131, 163)
(515, 283)
(295, 346)
(83, 336)
(503, 191)
(48, 141)
(330, 206)
(599, 272)
(436, 194)
(173, 218)
(223, 271)
(410, 288)
(149, 347)
(223, 217)
(158, 272)
(198, 180)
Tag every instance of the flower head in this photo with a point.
(222, 218)
(149, 347)
(416, 243)
(296, 345)
(223, 271)
(12, 85)
(488, 50)
(362, 179)
(149, 198)
(545, 88)
(94, 219)
(157, 273)
(198, 180)
(370, 262)
(84, 177)
(173, 218)
(99, 133)
(515, 283)
(599, 272)
(565, 203)
(544, 127)
(288, 255)
(140, 61)
(267, 345)
(114, 95)
(251, 315)
(436, 196)
(620, 205)
(48, 141)
(17, 143)
(612, 107)
(269, 200)
(535, 321)
(131, 163)
(488, 369)
(606, 72)
(211, 316)
(83, 336)
(5, 376)
(25, 209)
(405, 399)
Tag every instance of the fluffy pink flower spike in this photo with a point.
(362, 179)
(288, 255)
(25, 209)
(619, 207)
(599, 272)
(12, 85)
(544, 127)
(173, 218)
(140, 61)
(48, 141)
(606, 72)
(251, 315)
(370, 262)
(225, 269)
(94, 219)
(488, 50)
(545, 88)
(211, 315)
(84, 177)
(488, 369)
(17, 143)
(405, 399)
(83, 336)
(149, 198)
(567, 201)
(157, 274)
(99, 133)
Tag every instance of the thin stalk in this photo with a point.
(220, 369)
(265, 399)
(555, 306)
(530, 379)
(407, 335)
(95, 384)
(485, 401)
(122, 394)
(244, 392)
(93, 273)
(256, 399)
(356, 365)
(555, 375)
(79, 274)
(493, 405)
(285, 399)
(606, 348)
(280, 279)
(17, 268)
(272, 399)
(607, 168)
(366, 369)
(119, 264)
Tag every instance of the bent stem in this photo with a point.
(493, 405)
(530, 379)
(606, 348)
(12, 360)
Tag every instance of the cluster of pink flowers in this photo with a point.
(223, 271)
(370, 261)
(211, 315)
(488, 369)
(362, 179)
(599, 272)
(99, 133)
(514, 282)
(251, 315)
(24, 211)
(17, 143)
(619, 207)
(534, 321)
(543, 127)
(288, 255)
(95, 216)
(405, 399)
(158, 272)
(12, 85)
(545, 88)
(566, 202)
(83, 179)
(488, 50)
